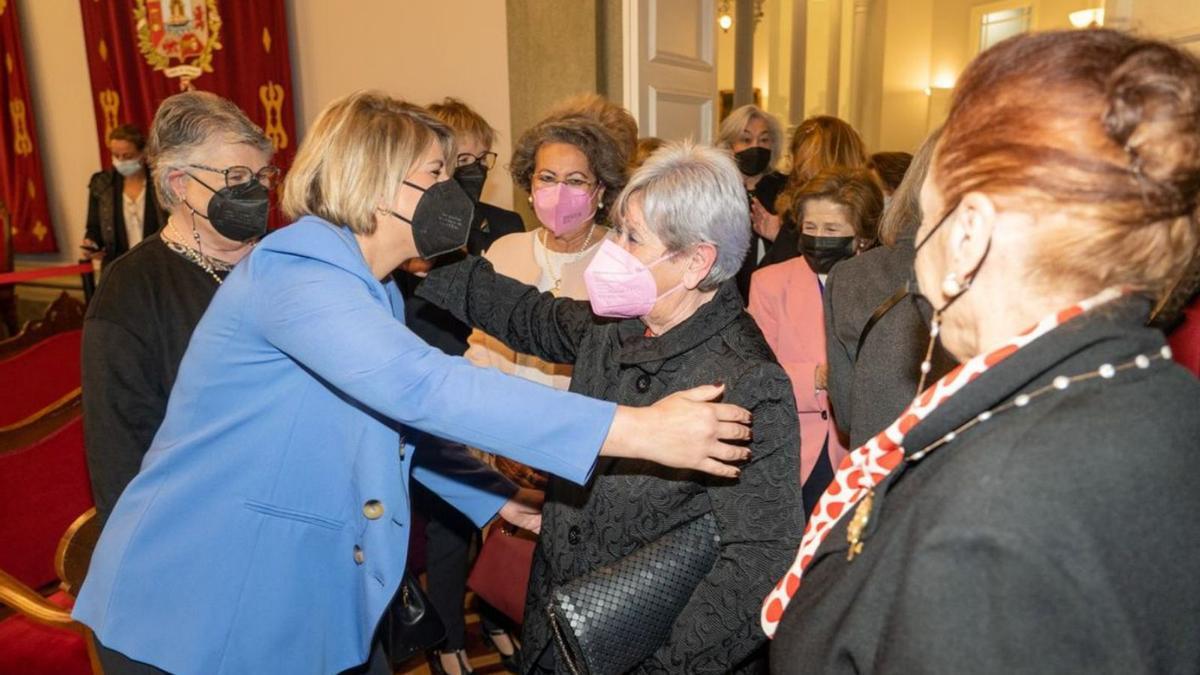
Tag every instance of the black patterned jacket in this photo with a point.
(628, 504)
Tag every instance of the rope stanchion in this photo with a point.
(44, 272)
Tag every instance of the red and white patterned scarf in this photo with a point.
(867, 466)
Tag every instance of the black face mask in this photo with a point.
(472, 177)
(822, 253)
(442, 219)
(238, 213)
(753, 161)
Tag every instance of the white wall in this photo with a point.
(421, 51)
(57, 69)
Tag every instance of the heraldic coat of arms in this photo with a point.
(178, 36)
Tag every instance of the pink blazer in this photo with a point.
(785, 300)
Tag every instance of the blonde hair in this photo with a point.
(820, 143)
(740, 118)
(463, 120)
(356, 154)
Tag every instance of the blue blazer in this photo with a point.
(268, 528)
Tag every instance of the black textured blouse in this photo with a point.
(628, 504)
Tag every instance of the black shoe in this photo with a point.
(511, 662)
(435, 661)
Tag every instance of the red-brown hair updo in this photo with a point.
(1095, 125)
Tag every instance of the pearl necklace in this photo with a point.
(556, 277)
(195, 255)
(1106, 371)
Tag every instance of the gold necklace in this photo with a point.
(556, 289)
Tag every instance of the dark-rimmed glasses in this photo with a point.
(268, 176)
(486, 159)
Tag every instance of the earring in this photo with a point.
(951, 286)
(530, 200)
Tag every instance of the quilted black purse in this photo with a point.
(614, 618)
(411, 625)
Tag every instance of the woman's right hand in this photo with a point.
(685, 430)
(765, 223)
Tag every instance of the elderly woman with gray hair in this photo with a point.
(211, 170)
(670, 318)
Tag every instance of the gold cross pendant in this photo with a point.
(858, 523)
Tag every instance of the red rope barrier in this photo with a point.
(43, 272)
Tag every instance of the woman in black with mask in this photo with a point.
(211, 170)
(448, 533)
(839, 217)
(755, 138)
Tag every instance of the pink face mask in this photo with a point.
(619, 285)
(562, 209)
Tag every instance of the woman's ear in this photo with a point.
(971, 234)
(699, 263)
(177, 180)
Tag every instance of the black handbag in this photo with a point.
(411, 625)
(615, 617)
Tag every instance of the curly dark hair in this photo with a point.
(604, 154)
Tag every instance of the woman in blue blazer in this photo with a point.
(268, 528)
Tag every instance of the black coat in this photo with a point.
(1058, 537)
(871, 383)
(106, 213)
(629, 504)
(786, 244)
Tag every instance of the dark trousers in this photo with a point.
(818, 479)
(448, 538)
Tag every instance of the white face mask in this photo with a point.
(127, 167)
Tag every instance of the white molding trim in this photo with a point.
(632, 60)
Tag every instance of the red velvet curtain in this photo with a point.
(22, 184)
(142, 51)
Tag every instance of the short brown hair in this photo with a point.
(603, 153)
(853, 189)
(129, 133)
(890, 167)
(820, 143)
(355, 155)
(1098, 126)
(617, 120)
(902, 216)
(463, 120)
(645, 147)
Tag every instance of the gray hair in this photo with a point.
(186, 121)
(692, 194)
(740, 118)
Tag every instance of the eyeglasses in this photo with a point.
(268, 176)
(548, 180)
(487, 159)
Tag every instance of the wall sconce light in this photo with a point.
(1087, 18)
(724, 16)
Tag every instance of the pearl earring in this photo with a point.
(951, 286)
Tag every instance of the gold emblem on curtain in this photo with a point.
(178, 37)
(272, 96)
(22, 143)
(110, 105)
